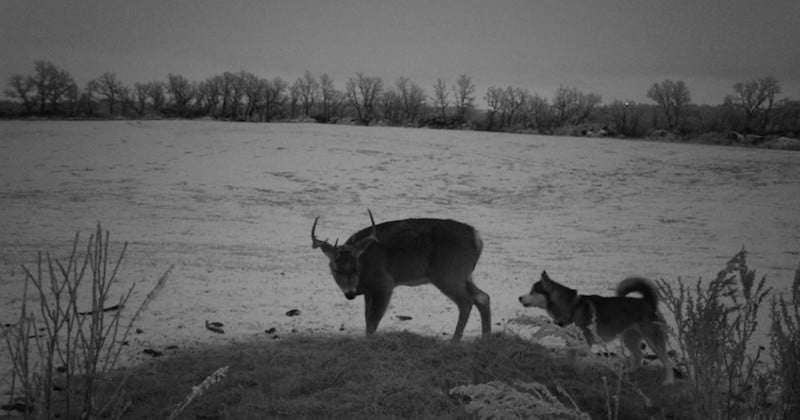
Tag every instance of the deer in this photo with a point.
(409, 252)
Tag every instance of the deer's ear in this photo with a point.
(330, 251)
(362, 246)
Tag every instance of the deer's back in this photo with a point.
(425, 241)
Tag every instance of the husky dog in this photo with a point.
(634, 319)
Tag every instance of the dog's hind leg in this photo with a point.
(589, 336)
(657, 340)
(632, 338)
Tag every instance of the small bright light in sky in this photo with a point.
(614, 48)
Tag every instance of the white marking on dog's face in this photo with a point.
(534, 299)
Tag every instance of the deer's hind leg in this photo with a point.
(456, 289)
(481, 301)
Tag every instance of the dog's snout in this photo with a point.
(350, 295)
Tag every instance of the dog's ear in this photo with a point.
(545, 278)
(545, 283)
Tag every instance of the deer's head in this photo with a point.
(345, 260)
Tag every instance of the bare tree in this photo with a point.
(182, 92)
(42, 79)
(155, 90)
(494, 99)
(338, 104)
(308, 91)
(125, 100)
(226, 83)
(392, 105)
(362, 93)
(680, 99)
(21, 87)
(463, 92)
(237, 90)
(589, 102)
(209, 95)
(537, 113)
(504, 106)
(512, 100)
(756, 97)
(565, 105)
(672, 97)
(107, 85)
(787, 115)
(294, 100)
(51, 84)
(87, 98)
(626, 115)
(327, 92)
(253, 93)
(440, 101)
(141, 94)
(73, 97)
(412, 97)
(571, 106)
(61, 84)
(274, 96)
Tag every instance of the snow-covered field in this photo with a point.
(231, 206)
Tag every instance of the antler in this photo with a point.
(316, 243)
(374, 234)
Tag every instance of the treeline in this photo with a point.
(753, 106)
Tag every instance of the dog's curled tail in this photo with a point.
(641, 285)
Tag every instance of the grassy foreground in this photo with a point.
(390, 375)
(64, 362)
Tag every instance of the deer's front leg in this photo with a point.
(375, 304)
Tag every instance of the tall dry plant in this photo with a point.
(785, 349)
(715, 323)
(60, 353)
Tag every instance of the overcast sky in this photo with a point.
(611, 47)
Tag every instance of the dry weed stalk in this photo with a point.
(64, 347)
(785, 349)
(199, 390)
(715, 323)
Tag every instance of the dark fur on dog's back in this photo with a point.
(641, 285)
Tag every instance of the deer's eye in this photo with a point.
(344, 265)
